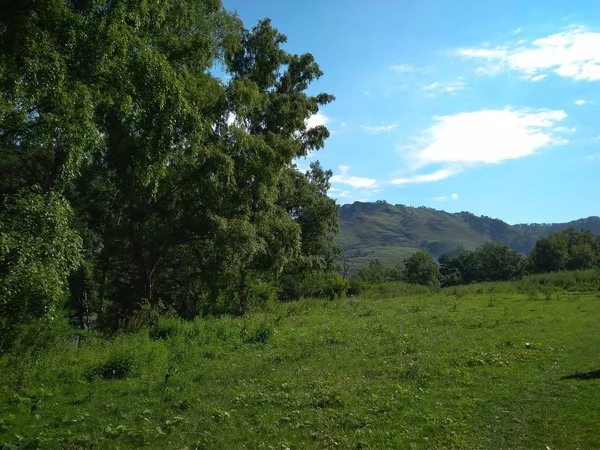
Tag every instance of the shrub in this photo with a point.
(257, 334)
(263, 296)
(316, 284)
(164, 328)
(117, 367)
(356, 285)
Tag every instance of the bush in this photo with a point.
(576, 280)
(394, 290)
(263, 296)
(356, 285)
(316, 285)
(117, 367)
(148, 315)
(164, 328)
(257, 334)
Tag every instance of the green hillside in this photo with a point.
(391, 233)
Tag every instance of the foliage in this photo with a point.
(182, 182)
(422, 268)
(314, 285)
(569, 249)
(38, 250)
(490, 262)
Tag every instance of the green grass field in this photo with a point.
(495, 366)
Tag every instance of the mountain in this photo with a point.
(394, 232)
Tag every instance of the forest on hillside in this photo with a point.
(391, 233)
(568, 250)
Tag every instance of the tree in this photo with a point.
(182, 183)
(373, 273)
(38, 250)
(47, 129)
(304, 197)
(581, 248)
(499, 263)
(550, 253)
(469, 266)
(422, 268)
(450, 274)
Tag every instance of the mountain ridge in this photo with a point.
(390, 233)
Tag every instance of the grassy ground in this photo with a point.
(498, 366)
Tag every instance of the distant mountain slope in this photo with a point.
(394, 232)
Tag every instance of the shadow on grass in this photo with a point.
(592, 375)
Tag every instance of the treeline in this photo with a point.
(147, 156)
(564, 250)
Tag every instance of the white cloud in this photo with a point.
(538, 77)
(498, 53)
(450, 87)
(572, 53)
(317, 119)
(440, 199)
(380, 129)
(565, 130)
(517, 30)
(356, 182)
(340, 193)
(402, 68)
(454, 196)
(490, 136)
(580, 102)
(459, 141)
(343, 124)
(425, 178)
(590, 157)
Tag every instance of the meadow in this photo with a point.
(488, 366)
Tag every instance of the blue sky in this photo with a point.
(485, 106)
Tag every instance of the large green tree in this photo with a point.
(46, 129)
(172, 131)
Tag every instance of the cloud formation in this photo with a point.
(490, 136)
(449, 87)
(425, 178)
(317, 119)
(573, 53)
(402, 68)
(380, 128)
(356, 182)
(340, 193)
(459, 141)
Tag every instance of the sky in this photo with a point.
(487, 106)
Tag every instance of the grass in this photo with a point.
(388, 256)
(493, 366)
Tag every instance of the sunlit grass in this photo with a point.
(506, 365)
